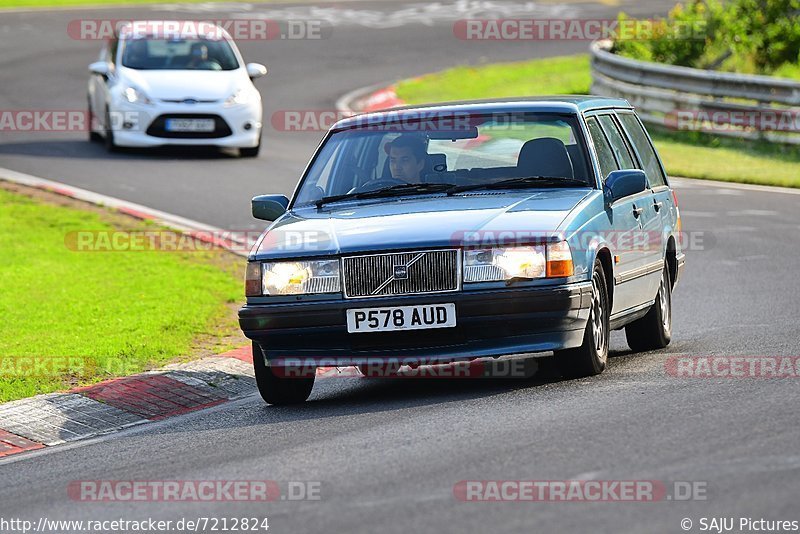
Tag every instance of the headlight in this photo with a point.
(538, 261)
(241, 96)
(135, 96)
(495, 264)
(292, 278)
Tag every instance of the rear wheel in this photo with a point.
(279, 385)
(654, 330)
(591, 357)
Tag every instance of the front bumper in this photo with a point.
(490, 323)
(140, 120)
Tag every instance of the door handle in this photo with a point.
(637, 211)
(658, 205)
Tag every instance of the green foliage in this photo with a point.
(690, 154)
(749, 36)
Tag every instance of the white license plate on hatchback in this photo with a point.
(401, 318)
(190, 125)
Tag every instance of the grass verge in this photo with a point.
(685, 154)
(75, 317)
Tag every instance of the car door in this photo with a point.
(649, 238)
(662, 200)
(626, 223)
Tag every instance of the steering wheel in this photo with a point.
(379, 183)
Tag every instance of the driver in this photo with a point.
(199, 58)
(407, 157)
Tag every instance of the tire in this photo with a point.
(276, 389)
(111, 146)
(590, 358)
(654, 330)
(94, 137)
(250, 152)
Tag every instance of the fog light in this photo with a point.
(248, 126)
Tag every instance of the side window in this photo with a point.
(641, 141)
(604, 154)
(618, 144)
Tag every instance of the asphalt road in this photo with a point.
(388, 452)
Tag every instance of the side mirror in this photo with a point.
(620, 184)
(256, 70)
(269, 207)
(101, 68)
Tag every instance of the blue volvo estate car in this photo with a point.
(452, 232)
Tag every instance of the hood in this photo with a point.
(416, 222)
(182, 84)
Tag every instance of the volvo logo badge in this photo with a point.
(401, 272)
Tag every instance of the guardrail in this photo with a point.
(683, 98)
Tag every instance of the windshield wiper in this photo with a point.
(523, 181)
(399, 189)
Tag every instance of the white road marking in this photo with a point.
(693, 183)
(423, 13)
(753, 213)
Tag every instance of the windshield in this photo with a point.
(178, 54)
(457, 149)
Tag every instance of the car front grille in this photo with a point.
(158, 128)
(402, 273)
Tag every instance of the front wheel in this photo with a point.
(654, 330)
(111, 145)
(252, 151)
(94, 137)
(590, 358)
(281, 385)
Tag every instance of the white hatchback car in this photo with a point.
(153, 87)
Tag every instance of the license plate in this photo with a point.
(401, 318)
(190, 125)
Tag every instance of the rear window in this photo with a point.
(641, 141)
